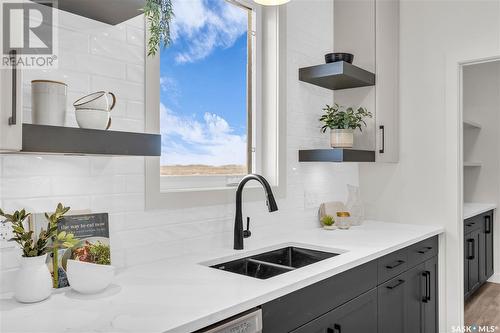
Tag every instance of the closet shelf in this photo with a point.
(472, 124)
(473, 164)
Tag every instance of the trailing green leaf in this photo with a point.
(159, 14)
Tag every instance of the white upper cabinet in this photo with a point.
(387, 78)
(10, 110)
(369, 29)
(10, 105)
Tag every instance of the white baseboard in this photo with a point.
(495, 278)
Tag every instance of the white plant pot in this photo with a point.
(341, 138)
(33, 282)
(88, 278)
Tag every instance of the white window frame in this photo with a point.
(269, 88)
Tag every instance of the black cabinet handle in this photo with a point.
(424, 298)
(425, 250)
(382, 129)
(12, 118)
(427, 277)
(397, 284)
(470, 249)
(396, 264)
(487, 228)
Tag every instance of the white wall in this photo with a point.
(98, 57)
(414, 190)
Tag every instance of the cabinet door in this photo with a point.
(391, 305)
(472, 244)
(430, 298)
(488, 245)
(357, 315)
(10, 110)
(415, 292)
(387, 88)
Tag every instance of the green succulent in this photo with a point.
(338, 117)
(327, 220)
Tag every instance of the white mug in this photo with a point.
(100, 100)
(48, 102)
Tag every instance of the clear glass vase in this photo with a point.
(354, 205)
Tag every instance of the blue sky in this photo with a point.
(203, 85)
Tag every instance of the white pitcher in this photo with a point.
(33, 282)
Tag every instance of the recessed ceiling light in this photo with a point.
(271, 2)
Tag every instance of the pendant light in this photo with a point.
(271, 2)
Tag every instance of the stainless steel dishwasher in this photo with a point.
(248, 322)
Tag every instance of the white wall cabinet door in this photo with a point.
(10, 110)
(387, 80)
(373, 38)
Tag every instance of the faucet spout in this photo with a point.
(238, 220)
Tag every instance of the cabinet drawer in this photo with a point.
(473, 223)
(422, 251)
(358, 315)
(392, 264)
(304, 305)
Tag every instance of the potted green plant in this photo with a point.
(328, 222)
(342, 122)
(89, 268)
(34, 282)
(159, 14)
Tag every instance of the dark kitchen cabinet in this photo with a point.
(391, 304)
(487, 236)
(408, 302)
(358, 315)
(478, 251)
(395, 293)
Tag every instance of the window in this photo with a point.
(205, 96)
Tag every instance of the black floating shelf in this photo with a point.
(70, 140)
(107, 11)
(336, 155)
(337, 75)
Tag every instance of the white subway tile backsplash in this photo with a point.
(30, 165)
(74, 41)
(135, 110)
(117, 203)
(135, 73)
(96, 56)
(91, 64)
(46, 204)
(116, 165)
(20, 187)
(123, 89)
(118, 50)
(135, 35)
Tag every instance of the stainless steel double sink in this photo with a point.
(275, 262)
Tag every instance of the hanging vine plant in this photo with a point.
(159, 14)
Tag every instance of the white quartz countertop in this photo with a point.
(182, 295)
(473, 209)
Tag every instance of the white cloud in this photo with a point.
(186, 140)
(206, 28)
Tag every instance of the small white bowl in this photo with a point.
(93, 119)
(88, 278)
